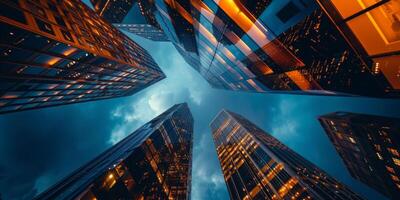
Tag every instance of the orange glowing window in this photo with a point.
(378, 29)
(396, 161)
(69, 51)
(394, 152)
(390, 169)
(287, 187)
(234, 11)
(264, 69)
(53, 60)
(395, 178)
(10, 96)
(299, 80)
(348, 8)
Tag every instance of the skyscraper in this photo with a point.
(154, 162)
(295, 46)
(61, 52)
(255, 165)
(135, 16)
(370, 148)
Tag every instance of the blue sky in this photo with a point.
(38, 148)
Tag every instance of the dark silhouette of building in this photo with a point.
(61, 52)
(295, 46)
(255, 165)
(135, 16)
(370, 148)
(154, 162)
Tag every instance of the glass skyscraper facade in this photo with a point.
(135, 16)
(255, 165)
(296, 46)
(370, 148)
(61, 52)
(154, 162)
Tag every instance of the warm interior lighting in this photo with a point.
(377, 30)
(69, 51)
(247, 22)
(287, 187)
(53, 60)
(299, 80)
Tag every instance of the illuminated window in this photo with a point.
(44, 26)
(395, 178)
(390, 169)
(379, 156)
(377, 29)
(339, 135)
(389, 66)
(352, 140)
(396, 161)
(394, 152)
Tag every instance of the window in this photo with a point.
(394, 152)
(44, 26)
(60, 21)
(352, 140)
(67, 35)
(396, 161)
(390, 169)
(395, 178)
(287, 12)
(379, 156)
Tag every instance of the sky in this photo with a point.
(40, 147)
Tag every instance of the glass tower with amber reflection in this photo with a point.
(154, 162)
(61, 52)
(255, 165)
(369, 147)
(289, 46)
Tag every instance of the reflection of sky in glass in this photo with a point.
(275, 25)
(134, 16)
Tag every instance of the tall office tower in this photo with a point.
(135, 16)
(61, 52)
(370, 148)
(255, 165)
(154, 162)
(295, 46)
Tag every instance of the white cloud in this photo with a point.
(285, 126)
(181, 85)
(208, 178)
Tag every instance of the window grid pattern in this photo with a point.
(61, 53)
(255, 165)
(369, 146)
(154, 162)
(274, 46)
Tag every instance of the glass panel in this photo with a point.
(348, 8)
(390, 67)
(379, 30)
